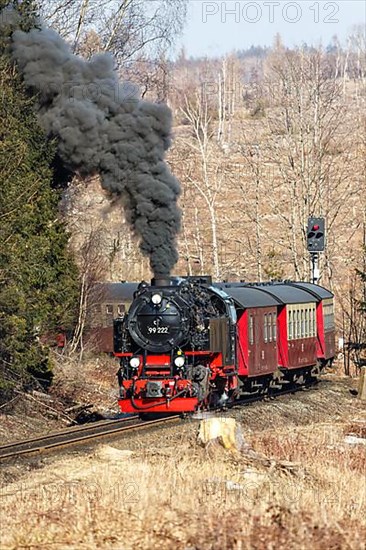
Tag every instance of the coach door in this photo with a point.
(262, 341)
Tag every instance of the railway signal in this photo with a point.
(316, 235)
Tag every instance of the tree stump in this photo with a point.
(224, 431)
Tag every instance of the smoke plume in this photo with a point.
(102, 126)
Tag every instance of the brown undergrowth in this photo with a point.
(90, 380)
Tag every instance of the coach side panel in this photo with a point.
(257, 341)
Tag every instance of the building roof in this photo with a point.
(115, 292)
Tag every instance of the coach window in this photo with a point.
(311, 322)
(298, 335)
(306, 323)
(265, 329)
(295, 324)
(311, 327)
(302, 324)
(328, 316)
(251, 330)
(274, 327)
(270, 327)
(290, 325)
(268, 322)
(326, 313)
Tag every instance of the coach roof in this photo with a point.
(319, 291)
(248, 296)
(290, 293)
(273, 294)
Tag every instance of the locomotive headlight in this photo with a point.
(156, 299)
(134, 362)
(179, 361)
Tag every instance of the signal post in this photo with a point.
(315, 236)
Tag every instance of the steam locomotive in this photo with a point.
(187, 343)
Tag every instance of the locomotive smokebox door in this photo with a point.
(154, 389)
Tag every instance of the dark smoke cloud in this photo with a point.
(102, 126)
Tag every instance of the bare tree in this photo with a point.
(309, 148)
(127, 28)
(353, 325)
(91, 270)
(210, 180)
(228, 93)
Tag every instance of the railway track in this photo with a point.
(77, 435)
(82, 434)
(274, 394)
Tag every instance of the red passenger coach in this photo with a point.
(188, 343)
(256, 310)
(297, 336)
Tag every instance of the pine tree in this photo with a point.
(38, 278)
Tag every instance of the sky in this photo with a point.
(218, 27)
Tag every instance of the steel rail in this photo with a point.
(84, 428)
(63, 439)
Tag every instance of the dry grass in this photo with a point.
(175, 494)
(92, 380)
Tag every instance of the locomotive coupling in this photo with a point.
(154, 389)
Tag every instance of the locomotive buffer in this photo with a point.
(315, 236)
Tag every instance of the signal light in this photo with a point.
(316, 234)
